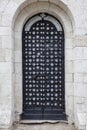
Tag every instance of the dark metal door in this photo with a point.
(43, 72)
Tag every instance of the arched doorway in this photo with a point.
(43, 69)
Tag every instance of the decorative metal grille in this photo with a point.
(43, 72)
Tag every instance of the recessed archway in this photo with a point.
(60, 14)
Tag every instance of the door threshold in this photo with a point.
(42, 121)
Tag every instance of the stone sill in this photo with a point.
(42, 121)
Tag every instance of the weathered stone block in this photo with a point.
(5, 31)
(80, 66)
(69, 67)
(43, 5)
(80, 90)
(18, 57)
(68, 54)
(5, 67)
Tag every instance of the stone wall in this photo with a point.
(13, 15)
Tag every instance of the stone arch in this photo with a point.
(59, 3)
(62, 16)
(51, 8)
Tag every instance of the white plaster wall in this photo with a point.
(13, 12)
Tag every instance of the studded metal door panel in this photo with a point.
(43, 72)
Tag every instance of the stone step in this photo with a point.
(44, 126)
